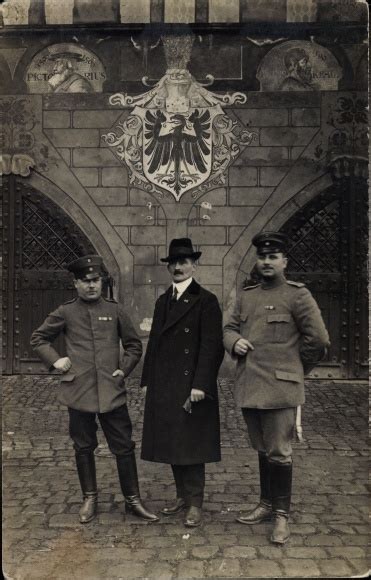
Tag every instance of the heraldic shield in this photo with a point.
(177, 137)
(177, 147)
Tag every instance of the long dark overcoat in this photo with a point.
(185, 351)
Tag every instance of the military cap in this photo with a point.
(267, 242)
(181, 248)
(87, 267)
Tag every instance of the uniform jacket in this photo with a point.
(185, 351)
(285, 326)
(92, 331)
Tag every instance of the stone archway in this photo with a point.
(116, 255)
(40, 240)
(341, 290)
(328, 251)
(239, 260)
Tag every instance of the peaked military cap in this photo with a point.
(181, 248)
(267, 242)
(87, 267)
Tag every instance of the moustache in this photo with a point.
(178, 272)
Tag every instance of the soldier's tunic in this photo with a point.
(286, 329)
(93, 332)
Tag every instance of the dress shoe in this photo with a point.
(134, 505)
(88, 510)
(261, 513)
(193, 517)
(281, 532)
(179, 506)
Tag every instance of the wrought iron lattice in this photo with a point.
(49, 240)
(315, 243)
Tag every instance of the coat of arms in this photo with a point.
(177, 137)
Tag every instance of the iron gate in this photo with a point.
(39, 240)
(328, 252)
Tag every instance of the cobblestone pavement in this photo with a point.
(42, 538)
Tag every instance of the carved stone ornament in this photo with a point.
(299, 65)
(343, 149)
(177, 137)
(16, 137)
(65, 68)
(17, 123)
(347, 149)
(18, 164)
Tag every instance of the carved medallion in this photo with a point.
(65, 68)
(299, 65)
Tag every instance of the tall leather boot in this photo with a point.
(281, 484)
(263, 511)
(128, 476)
(86, 470)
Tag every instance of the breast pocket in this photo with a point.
(279, 327)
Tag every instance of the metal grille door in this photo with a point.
(328, 252)
(39, 241)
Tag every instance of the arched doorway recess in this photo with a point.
(40, 239)
(328, 252)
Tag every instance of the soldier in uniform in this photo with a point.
(93, 380)
(184, 353)
(276, 334)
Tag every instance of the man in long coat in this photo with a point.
(277, 334)
(93, 380)
(185, 351)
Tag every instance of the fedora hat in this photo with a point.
(181, 248)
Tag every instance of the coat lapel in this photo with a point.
(186, 302)
(163, 307)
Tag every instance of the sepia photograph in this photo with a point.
(185, 312)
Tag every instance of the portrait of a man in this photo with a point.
(298, 71)
(65, 79)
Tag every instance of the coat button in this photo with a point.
(186, 350)
(186, 330)
(186, 372)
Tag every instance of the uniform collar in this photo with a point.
(90, 302)
(275, 283)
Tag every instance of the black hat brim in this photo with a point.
(194, 255)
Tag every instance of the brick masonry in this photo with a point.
(264, 185)
(145, 223)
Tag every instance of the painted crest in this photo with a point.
(177, 137)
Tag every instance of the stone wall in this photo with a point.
(281, 162)
(282, 168)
